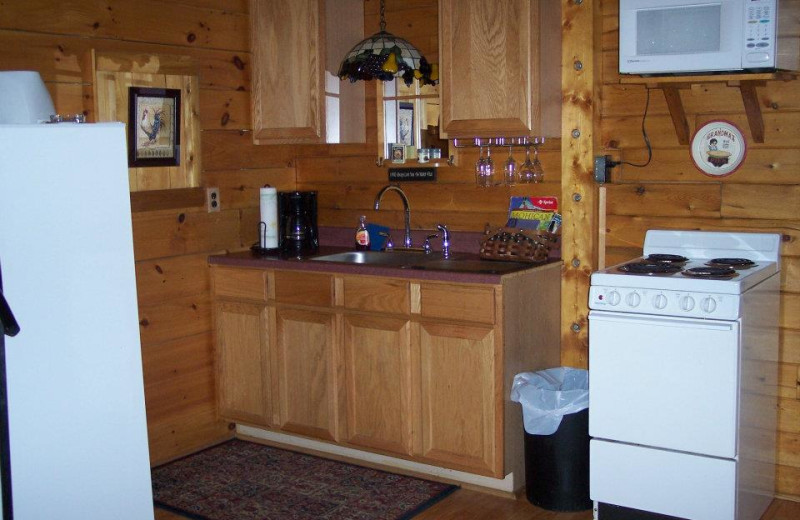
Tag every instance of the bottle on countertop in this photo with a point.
(362, 235)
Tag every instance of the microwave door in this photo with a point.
(671, 36)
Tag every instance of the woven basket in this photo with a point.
(517, 245)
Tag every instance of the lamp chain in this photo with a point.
(383, 19)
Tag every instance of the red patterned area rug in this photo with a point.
(241, 480)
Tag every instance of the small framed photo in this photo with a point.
(398, 153)
(154, 127)
(405, 123)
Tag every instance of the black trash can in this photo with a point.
(557, 466)
(555, 410)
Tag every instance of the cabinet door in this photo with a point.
(306, 372)
(288, 93)
(378, 381)
(461, 395)
(500, 68)
(243, 375)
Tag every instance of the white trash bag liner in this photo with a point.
(548, 395)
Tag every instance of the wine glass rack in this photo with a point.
(478, 142)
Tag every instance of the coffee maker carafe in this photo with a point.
(298, 222)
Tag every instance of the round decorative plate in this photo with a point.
(718, 148)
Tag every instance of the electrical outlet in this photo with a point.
(601, 168)
(212, 199)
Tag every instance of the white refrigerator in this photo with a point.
(76, 413)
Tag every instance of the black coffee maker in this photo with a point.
(297, 233)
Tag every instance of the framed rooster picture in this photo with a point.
(154, 127)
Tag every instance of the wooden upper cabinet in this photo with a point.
(500, 68)
(288, 93)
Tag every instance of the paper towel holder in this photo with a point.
(263, 226)
(262, 235)
(24, 99)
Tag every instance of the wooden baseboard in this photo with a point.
(499, 487)
(193, 451)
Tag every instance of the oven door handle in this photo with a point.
(666, 321)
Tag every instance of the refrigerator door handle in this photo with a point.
(7, 320)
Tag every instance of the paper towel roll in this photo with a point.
(269, 216)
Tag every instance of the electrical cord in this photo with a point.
(611, 164)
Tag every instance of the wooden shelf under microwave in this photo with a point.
(747, 84)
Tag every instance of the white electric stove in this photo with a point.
(683, 366)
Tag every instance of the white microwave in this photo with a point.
(694, 36)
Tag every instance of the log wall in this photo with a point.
(347, 184)
(174, 234)
(762, 196)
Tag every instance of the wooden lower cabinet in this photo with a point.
(419, 370)
(243, 371)
(378, 375)
(306, 362)
(460, 397)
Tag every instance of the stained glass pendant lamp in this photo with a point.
(384, 56)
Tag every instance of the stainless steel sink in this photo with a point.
(418, 260)
(474, 266)
(392, 258)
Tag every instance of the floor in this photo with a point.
(473, 505)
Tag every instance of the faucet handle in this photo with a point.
(388, 245)
(426, 246)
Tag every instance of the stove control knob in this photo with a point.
(660, 301)
(633, 299)
(614, 298)
(708, 305)
(687, 303)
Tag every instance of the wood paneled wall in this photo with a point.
(173, 233)
(173, 239)
(763, 196)
(347, 185)
(172, 244)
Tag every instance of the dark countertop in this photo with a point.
(256, 260)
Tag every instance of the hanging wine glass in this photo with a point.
(510, 169)
(538, 171)
(489, 168)
(526, 173)
(480, 167)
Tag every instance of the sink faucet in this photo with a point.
(394, 187)
(445, 240)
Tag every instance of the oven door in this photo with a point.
(664, 382)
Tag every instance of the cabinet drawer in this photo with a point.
(304, 288)
(376, 294)
(457, 302)
(248, 284)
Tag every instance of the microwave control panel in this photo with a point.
(759, 32)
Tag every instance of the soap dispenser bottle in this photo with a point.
(362, 235)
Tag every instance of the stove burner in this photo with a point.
(742, 263)
(711, 273)
(649, 268)
(666, 259)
